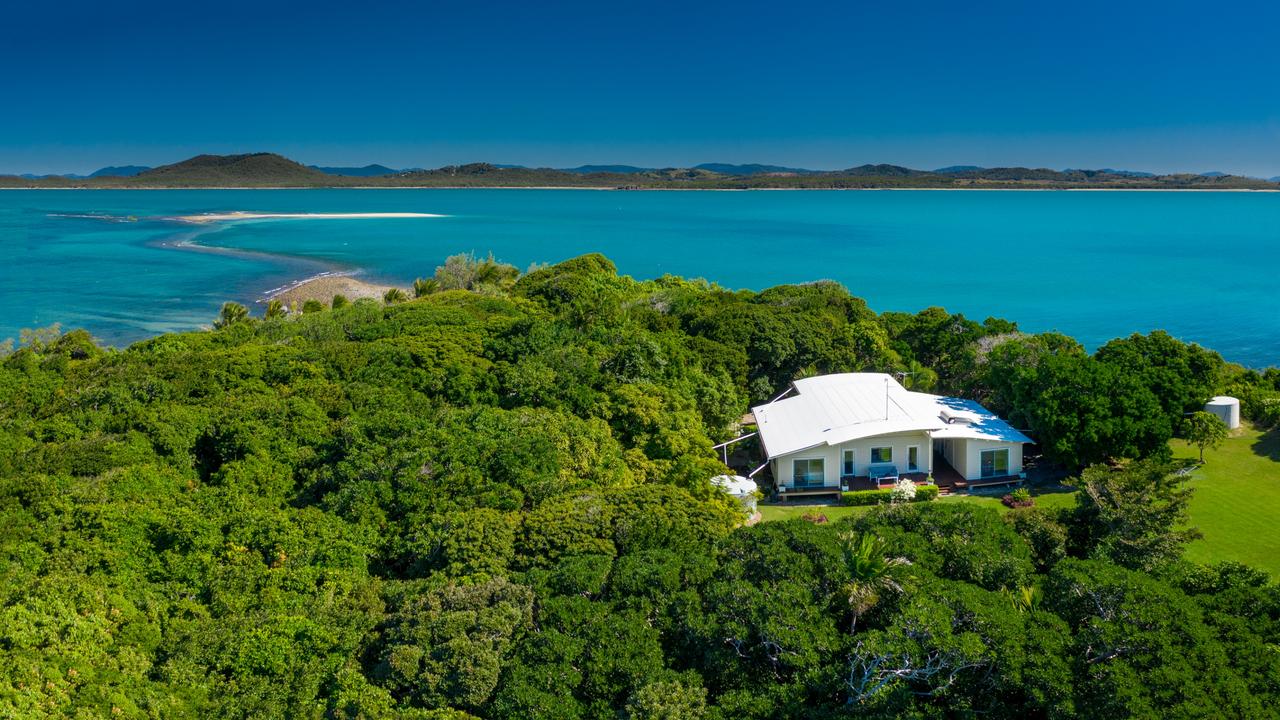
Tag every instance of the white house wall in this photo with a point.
(956, 452)
(965, 455)
(971, 457)
(833, 457)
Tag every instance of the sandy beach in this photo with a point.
(230, 216)
(324, 287)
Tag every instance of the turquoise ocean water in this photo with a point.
(1095, 265)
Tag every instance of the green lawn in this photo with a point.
(792, 510)
(1237, 500)
(1044, 499)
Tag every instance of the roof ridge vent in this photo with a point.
(952, 417)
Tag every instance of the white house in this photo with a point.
(859, 429)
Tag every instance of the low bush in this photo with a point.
(1020, 498)
(1263, 409)
(924, 493)
(904, 490)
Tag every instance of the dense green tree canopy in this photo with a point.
(493, 501)
(1182, 376)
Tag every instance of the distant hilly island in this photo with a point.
(272, 170)
(366, 171)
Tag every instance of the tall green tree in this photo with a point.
(1081, 411)
(1136, 515)
(1205, 430)
(1181, 375)
(444, 647)
(667, 700)
(1141, 649)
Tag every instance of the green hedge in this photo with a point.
(924, 493)
(866, 497)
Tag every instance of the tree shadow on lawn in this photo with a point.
(1268, 444)
(1053, 490)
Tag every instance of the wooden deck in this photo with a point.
(808, 493)
(945, 477)
(950, 481)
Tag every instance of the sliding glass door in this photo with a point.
(995, 463)
(809, 473)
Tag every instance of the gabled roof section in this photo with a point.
(833, 409)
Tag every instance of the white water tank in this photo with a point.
(744, 489)
(1226, 408)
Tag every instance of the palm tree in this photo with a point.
(423, 287)
(275, 309)
(231, 313)
(1024, 599)
(490, 272)
(918, 377)
(339, 301)
(394, 295)
(870, 574)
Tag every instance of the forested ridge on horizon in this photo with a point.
(272, 170)
(493, 500)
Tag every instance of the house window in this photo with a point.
(995, 463)
(881, 455)
(809, 472)
(847, 465)
(913, 458)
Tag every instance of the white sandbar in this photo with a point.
(224, 217)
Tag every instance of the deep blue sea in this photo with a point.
(1205, 266)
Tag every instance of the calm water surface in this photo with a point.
(1095, 265)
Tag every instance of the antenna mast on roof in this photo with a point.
(900, 373)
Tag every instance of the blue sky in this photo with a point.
(1158, 86)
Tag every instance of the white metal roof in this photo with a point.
(833, 409)
(972, 421)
